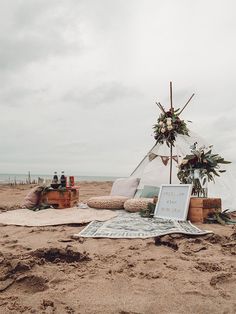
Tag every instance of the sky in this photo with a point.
(79, 80)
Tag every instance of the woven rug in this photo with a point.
(132, 225)
(53, 217)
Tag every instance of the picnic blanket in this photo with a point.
(51, 216)
(132, 225)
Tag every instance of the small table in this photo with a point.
(61, 199)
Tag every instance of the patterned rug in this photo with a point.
(132, 225)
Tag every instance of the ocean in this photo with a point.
(7, 178)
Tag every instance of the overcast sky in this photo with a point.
(79, 80)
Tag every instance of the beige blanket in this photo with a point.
(51, 216)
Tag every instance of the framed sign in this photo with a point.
(173, 201)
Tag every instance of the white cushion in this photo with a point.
(125, 187)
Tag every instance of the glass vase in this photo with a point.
(199, 181)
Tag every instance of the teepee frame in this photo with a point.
(171, 145)
(172, 110)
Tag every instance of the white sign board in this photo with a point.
(173, 201)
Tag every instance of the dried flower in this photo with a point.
(184, 161)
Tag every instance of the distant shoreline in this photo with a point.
(24, 178)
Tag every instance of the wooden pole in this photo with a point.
(143, 159)
(186, 104)
(171, 146)
(171, 98)
(160, 107)
(29, 178)
(171, 153)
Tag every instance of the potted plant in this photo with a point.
(200, 167)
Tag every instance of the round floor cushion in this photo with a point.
(107, 202)
(137, 204)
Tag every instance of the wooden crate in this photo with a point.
(200, 208)
(61, 199)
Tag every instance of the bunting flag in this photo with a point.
(165, 159)
(175, 158)
(152, 156)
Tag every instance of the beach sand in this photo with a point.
(45, 270)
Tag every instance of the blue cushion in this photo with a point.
(150, 191)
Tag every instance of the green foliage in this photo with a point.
(207, 164)
(168, 126)
(222, 218)
(149, 211)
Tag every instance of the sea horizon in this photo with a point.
(8, 178)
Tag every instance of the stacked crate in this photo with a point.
(61, 199)
(200, 208)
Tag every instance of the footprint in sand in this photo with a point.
(47, 304)
(220, 278)
(56, 255)
(30, 284)
(208, 267)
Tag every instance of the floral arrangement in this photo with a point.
(199, 167)
(168, 126)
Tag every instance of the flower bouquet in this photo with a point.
(168, 126)
(199, 168)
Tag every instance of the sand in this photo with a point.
(45, 270)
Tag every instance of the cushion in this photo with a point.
(137, 204)
(150, 191)
(138, 193)
(107, 202)
(125, 187)
(32, 199)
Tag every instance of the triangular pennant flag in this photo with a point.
(152, 156)
(175, 158)
(165, 159)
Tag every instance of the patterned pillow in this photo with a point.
(107, 202)
(137, 204)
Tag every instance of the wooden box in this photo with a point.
(61, 199)
(200, 208)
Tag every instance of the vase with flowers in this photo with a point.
(200, 167)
